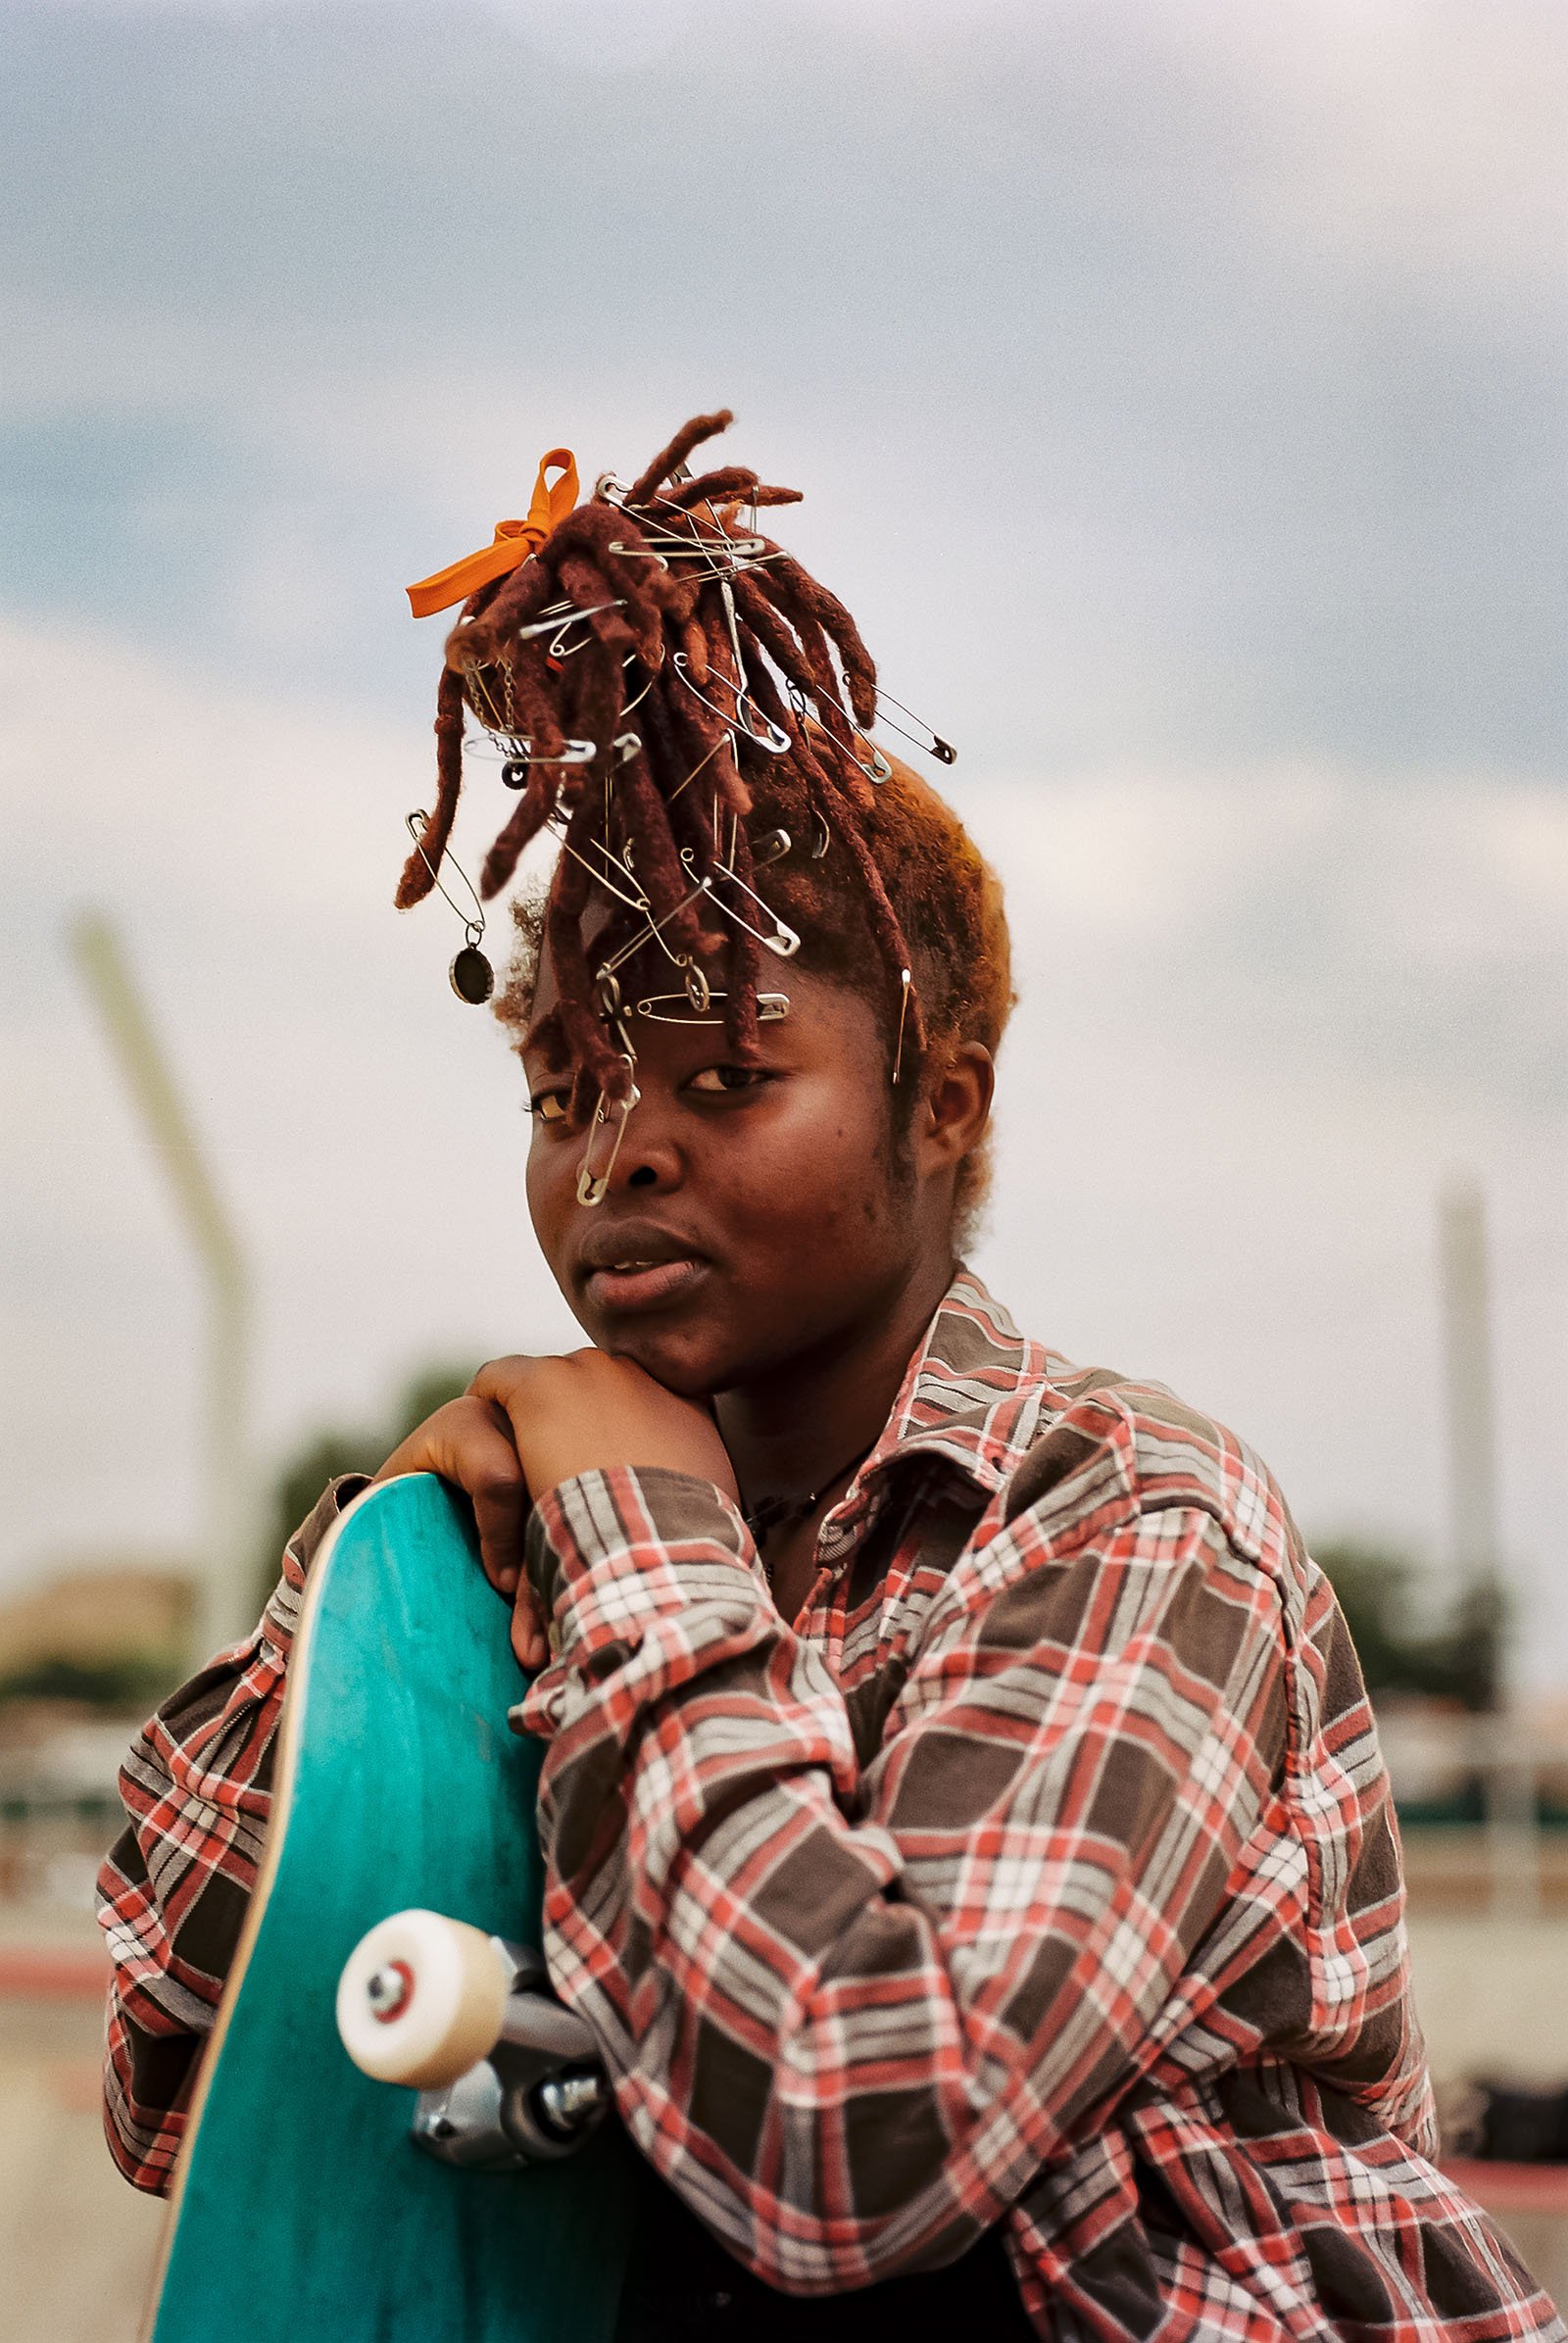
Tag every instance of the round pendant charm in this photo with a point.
(472, 978)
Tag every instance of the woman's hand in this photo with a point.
(524, 1424)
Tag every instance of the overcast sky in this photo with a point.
(1178, 390)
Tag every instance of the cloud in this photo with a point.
(1214, 350)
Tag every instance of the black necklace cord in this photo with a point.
(769, 1514)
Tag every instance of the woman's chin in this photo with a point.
(678, 1358)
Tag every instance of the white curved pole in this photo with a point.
(224, 1593)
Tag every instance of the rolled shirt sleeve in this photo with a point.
(852, 2009)
(197, 1789)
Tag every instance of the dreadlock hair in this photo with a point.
(947, 902)
(695, 639)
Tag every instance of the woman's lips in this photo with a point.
(648, 1286)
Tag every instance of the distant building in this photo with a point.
(97, 1630)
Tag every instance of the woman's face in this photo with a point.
(754, 1214)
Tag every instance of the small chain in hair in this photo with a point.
(691, 659)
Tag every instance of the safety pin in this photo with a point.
(666, 547)
(636, 552)
(933, 744)
(507, 746)
(775, 739)
(620, 864)
(634, 903)
(690, 539)
(573, 752)
(878, 770)
(784, 943)
(416, 824)
(699, 992)
(742, 552)
(724, 570)
(675, 1008)
(617, 492)
(514, 748)
(629, 707)
(905, 981)
(695, 769)
(650, 933)
(611, 1012)
(558, 649)
(726, 596)
(593, 1186)
(560, 616)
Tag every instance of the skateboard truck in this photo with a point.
(506, 2075)
(537, 2094)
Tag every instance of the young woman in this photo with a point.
(965, 1828)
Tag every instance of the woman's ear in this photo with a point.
(951, 1121)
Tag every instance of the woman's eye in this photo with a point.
(714, 1081)
(548, 1107)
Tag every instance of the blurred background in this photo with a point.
(1177, 387)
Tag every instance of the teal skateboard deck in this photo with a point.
(302, 2207)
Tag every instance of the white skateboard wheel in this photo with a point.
(421, 2000)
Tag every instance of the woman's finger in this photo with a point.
(469, 1444)
(529, 1642)
(489, 1471)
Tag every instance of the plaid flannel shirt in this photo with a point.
(1045, 1871)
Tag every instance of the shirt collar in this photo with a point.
(973, 1392)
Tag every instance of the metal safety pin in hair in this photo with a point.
(933, 743)
(516, 748)
(652, 677)
(637, 901)
(416, 824)
(774, 739)
(782, 942)
(561, 613)
(675, 1008)
(877, 770)
(663, 548)
(612, 1014)
(689, 540)
(651, 934)
(593, 1186)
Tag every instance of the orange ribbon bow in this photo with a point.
(514, 541)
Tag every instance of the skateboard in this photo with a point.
(463, 2179)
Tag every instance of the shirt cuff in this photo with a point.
(639, 1561)
(282, 1613)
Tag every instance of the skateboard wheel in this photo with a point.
(421, 2000)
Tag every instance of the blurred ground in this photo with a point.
(78, 2245)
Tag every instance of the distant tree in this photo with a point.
(1459, 1660)
(131, 1680)
(336, 1448)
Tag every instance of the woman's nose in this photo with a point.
(648, 1160)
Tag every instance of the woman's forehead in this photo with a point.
(658, 1003)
